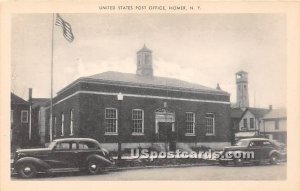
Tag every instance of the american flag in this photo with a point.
(67, 30)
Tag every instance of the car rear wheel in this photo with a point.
(274, 159)
(238, 162)
(223, 163)
(27, 170)
(94, 167)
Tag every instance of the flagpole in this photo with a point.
(51, 99)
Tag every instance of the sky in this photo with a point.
(200, 48)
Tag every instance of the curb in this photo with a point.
(115, 168)
(167, 166)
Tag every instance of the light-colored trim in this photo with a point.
(108, 133)
(62, 124)
(190, 134)
(24, 111)
(71, 122)
(145, 86)
(140, 96)
(137, 134)
(55, 126)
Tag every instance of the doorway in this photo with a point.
(166, 135)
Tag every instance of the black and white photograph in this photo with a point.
(133, 93)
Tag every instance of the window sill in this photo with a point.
(189, 134)
(210, 135)
(138, 134)
(110, 133)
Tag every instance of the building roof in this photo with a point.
(242, 72)
(144, 49)
(236, 113)
(276, 113)
(39, 102)
(154, 82)
(257, 112)
(17, 100)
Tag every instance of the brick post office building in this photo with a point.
(153, 110)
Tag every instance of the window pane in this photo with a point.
(24, 116)
(251, 123)
(137, 121)
(210, 126)
(63, 146)
(82, 146)
(190, 123)
(111, 120)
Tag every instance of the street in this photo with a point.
(215, 172)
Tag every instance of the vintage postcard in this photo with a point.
(203, 94)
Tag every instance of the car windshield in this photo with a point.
(242, 143)
(51, 145)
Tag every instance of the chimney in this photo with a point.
(218, 86)
(30, 95)
(270, 107)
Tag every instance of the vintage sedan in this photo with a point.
(65, 154)
(255, 150)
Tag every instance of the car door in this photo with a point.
(63, 155)
(85, 149)
(255, 146)
(267, 147)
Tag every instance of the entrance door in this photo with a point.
(165, 135)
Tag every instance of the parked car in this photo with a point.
(63, 155)
(255, 150)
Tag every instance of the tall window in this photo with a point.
(111, 121)
(245, 121)
(71, 122)
(62, 124)
(55, 123)
(190, 123)
(251, 123)
(138, 121)
(210, 124)
(24, 116)
(276, 125)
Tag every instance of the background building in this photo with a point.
(273, 125)
(19, 119)
(250, 122)
(142, 110)
(242, 90)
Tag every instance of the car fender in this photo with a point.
(41, 165)
(274, 152)
(100, 159)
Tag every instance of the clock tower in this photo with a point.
(144, 62)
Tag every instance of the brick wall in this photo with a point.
(89, 114)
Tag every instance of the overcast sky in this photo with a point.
(201, 48)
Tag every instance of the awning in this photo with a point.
(245, 134)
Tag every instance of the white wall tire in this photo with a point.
(93, 167)
(27, 170)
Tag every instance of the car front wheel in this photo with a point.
(27, 170)
(93, 167)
